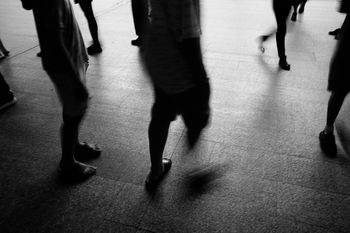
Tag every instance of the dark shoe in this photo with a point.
(8, 100)
(85, 151)
(338, 36)
(6, 53)
(284, 65)
(153, 180)
(302, 8)
(39, 54)
(334, 32)
(94, 49)
(137, 42)
(294, 16)
(327, 143)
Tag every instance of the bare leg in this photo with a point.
(334, 105)
(69, 136)
(157, 134)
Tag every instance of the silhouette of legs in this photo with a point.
(74, 98)
(301, 5)
(86, 7)
(327, 139)
(194, 108)
(339, 85)
(281, 11)
(140, 16)
(157, 135)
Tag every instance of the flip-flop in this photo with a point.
(85, 151)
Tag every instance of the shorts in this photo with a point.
(192, 105)
(72, 93)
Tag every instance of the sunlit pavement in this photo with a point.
(257, 168)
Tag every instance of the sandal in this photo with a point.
(85, 151)
(77, 171)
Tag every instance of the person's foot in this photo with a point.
(302, 8)
(338, 36)
(85, 151)
(261, 40)
(334, 32)
(76, 170)
(39, 54)
(294, 17)
(6, 53)
(154, 178)
(283, 64)
(137, 42)
(95, 48)
(8, 100)
(327, 143)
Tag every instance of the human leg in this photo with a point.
(163, 113)
(281, 11)
(302, 6)
(140, 17)
(74, 109)
(326, 137)
(295, 12)
(89, 14)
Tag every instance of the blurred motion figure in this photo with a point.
(173, 59)
(338, 84)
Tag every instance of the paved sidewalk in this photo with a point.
(260, 156)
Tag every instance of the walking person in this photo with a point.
(338, 85)
(173, 58)
(65, 60)
(86, 7)
(140, 16)
(281, 10)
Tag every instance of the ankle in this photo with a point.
(329, 129)
(67, 162)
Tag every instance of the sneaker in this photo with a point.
(327, 143)
(294, 17)
(153, 180)
(94, 49)
(137, 42)
(334, 32)
(8, 101)
(284, 65)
